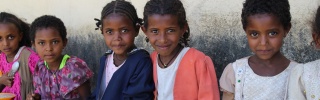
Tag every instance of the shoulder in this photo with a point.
(195, 55)
(310, 67)
(73, 60)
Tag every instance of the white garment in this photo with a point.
(110, 69)
(250, 86)
(304, 82)
(166, 77)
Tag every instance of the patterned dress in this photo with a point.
(6, 66)
(60, 84)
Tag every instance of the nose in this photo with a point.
(264, 40)
(163, 37)
(49, 47)
(5, 42)
(117, 36)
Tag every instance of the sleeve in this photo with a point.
(227, 79)
(296, 86)
(36, 80)
(141, 85)
(206, 77)
(75, 73)
(32, 61)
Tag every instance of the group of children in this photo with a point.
(174, 71)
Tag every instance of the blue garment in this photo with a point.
(132, 81)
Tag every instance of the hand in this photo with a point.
(5, 80)
(32, 96)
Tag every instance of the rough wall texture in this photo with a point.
(215, 25)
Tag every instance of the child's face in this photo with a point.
(119, 33)
(9, 39)
(164, 33)
(265, 35)
(49, 44)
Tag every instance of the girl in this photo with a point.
(179, 72)
(264, 75)
(125, 72)
(15, 48)
(57, 76)
(304, 81)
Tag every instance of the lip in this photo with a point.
(118, 46)
(163, 47)
(49, 56)
(7, 49)
(263, 51)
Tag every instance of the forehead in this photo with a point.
(8, 28)
(116, 19)
(47, 33)
(263, 20)
(166, 19)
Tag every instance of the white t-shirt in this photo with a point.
(166, 77)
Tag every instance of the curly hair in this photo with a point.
(48, 21)
(172, 7)
(279, 8)
(23, 27)
(316, 23)
(120, 7)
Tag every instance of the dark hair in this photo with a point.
(120, 7)
(21, 26)
(47, 21)
(279, 8)
(316, 23)
(172, 7)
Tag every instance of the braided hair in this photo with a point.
(23, 27)
(120, 7)
(279, 8)
(172, 7)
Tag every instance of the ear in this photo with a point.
(137, 30)
(144, 29)
(287, 29)
(65, 43)
(33, 44)
(21, 36)
(316, 39)
(185, 29)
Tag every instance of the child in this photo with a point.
(15, 47)
(304, 83)
(57, 76)
(125, 72)
(264, 75)
(179, 72)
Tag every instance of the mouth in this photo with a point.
(7, 49)
(263, 51)
(49, 56)
(118, 46)
(163, 47)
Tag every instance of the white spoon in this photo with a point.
(15, 67)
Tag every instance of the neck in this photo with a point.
(55, 64)
(275, 59)
(11, 56)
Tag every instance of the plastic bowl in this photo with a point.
(7, 96)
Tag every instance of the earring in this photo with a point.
(147, 39)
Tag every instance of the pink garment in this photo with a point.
(6, 66)
(111, 68)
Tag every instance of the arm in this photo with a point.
(141, 84)
(84, 90)
(227, 83)
(208, 85)
(296, 87)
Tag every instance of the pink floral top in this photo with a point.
(60, 84)
(6, 66)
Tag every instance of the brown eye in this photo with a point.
(254, 34)
(273, 33)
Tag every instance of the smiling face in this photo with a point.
(49, 44)
(9, 39)
(119, 33)
(265, 35)
(164, 33)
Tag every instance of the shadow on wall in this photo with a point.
(223, 43)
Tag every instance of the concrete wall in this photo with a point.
(215, 25)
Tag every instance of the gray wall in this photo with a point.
(215, 25)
